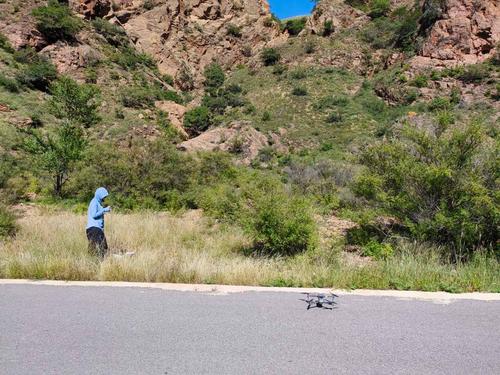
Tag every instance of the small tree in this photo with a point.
(56, 22)
(75, 102)
(57, 153)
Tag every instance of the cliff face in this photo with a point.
(186, 35)
(467, 32)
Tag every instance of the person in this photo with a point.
(95, 223)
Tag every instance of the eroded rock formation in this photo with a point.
(467, 32)
(186, 35)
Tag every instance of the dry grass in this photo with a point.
(192, 249)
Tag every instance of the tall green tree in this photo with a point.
(78, 103)
(56, 153)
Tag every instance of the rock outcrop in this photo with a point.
(467, 32)
(239, 138)
(186, 35)
(336, 12)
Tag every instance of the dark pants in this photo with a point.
(97, 242)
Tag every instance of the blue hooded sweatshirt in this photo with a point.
(96, 210)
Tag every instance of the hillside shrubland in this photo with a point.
(358, 130)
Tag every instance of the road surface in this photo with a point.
(105, 330)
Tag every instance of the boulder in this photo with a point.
(240, 138)
(340, 14)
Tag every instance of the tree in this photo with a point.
(77, 103)
(57, 153)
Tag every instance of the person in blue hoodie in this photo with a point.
(95, 223)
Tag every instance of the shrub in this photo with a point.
(279, 69)
(295, 26)
(75, 102)
(378, 250)
(5, 44)
(138, 97)
(440, 184)
(299, 91)
(266, 116)
(299, 73)
(270, 56)
(38, 74)
(128, 58)
(56, 22)
(439, 104)
(328, 28)
(26, 56)
(379, 8)
(334, 117)
(234, 30)
(309, 47)
(214, 76)
(419, 81)
(9, 84)
(114, 34)
(198, 120)
(8, 225)
(283, 226)
(474, 73)
(148, 4)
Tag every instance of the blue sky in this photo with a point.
(291, 8)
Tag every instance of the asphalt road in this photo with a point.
(104, 330)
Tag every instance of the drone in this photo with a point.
(320, 300)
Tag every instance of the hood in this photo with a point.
(101, 193)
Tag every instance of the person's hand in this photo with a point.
(107, 209)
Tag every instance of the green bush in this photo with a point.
(441, 184)
(270, 56)
(5, 44)
(8, 225)
(142, 176)
(420, 81)
(128, 58)
(328, 28)
(114, 34)
(379, 8)
(474, 73)
(440, 104)
(9, 84)
(138, 97)
(38, 74)
(214, 76)
(56, 22)
(234, 30)
(198, 120)
(378, 250)
(295, 25)
(283, 226)
(299, 91)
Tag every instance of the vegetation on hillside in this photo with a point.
(409, 158)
